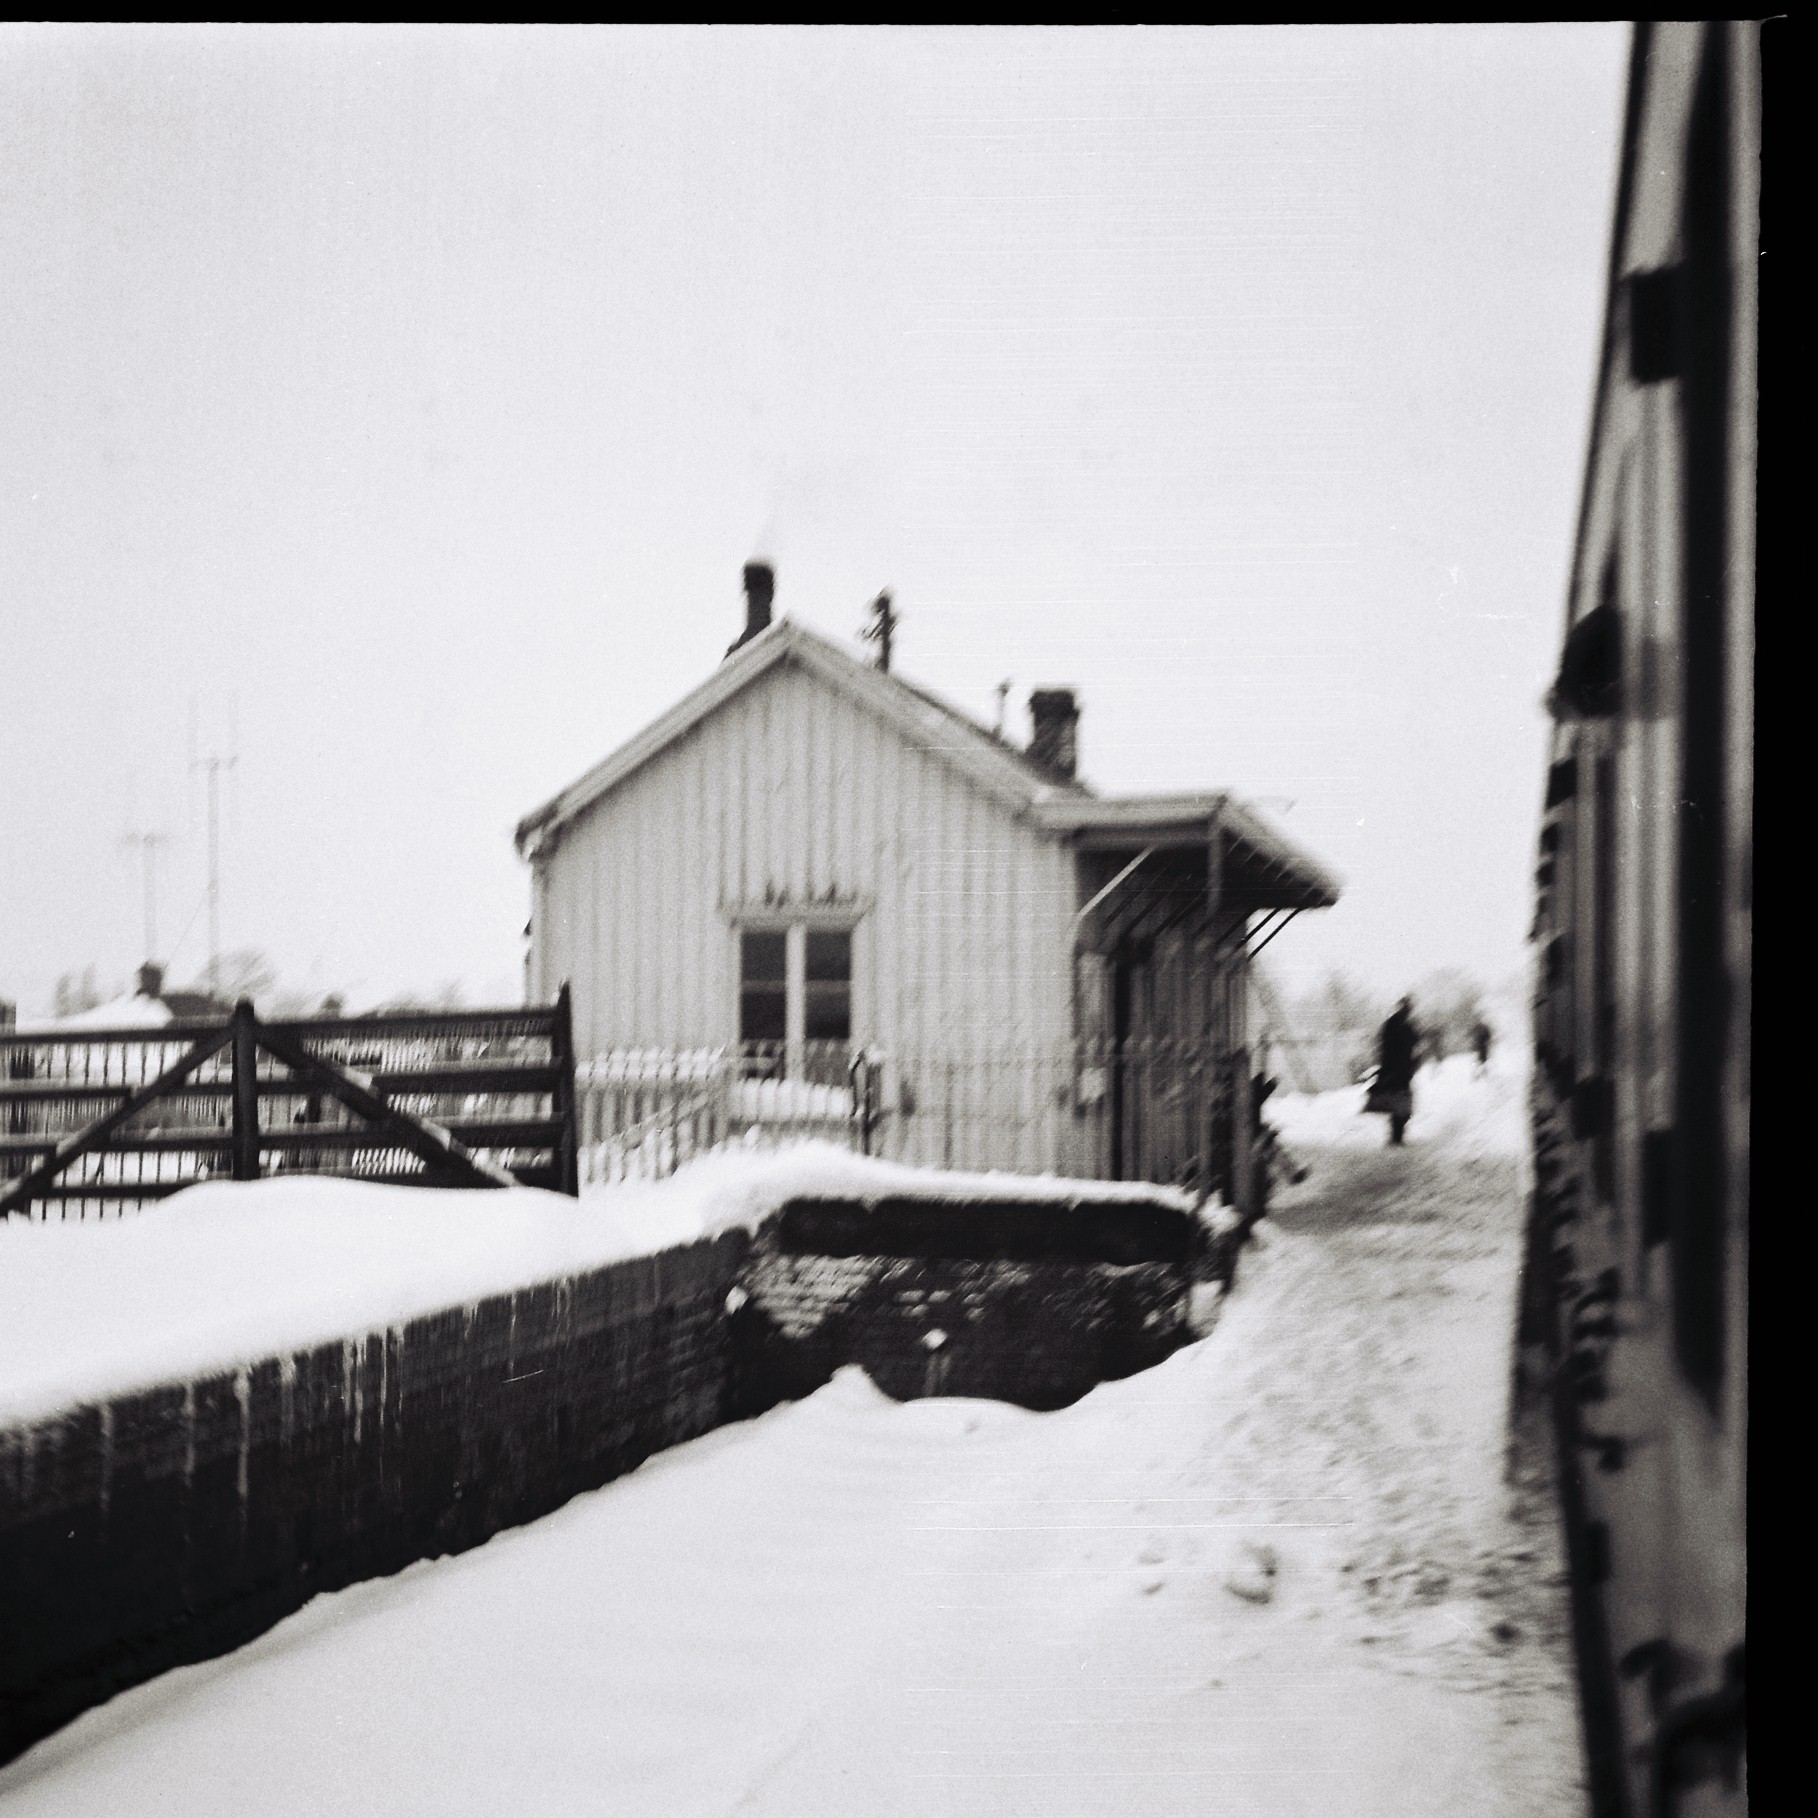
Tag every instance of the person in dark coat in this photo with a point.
(1392, 1093)
(1480, 1040)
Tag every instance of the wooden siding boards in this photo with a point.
(791, 796)
(798, 780)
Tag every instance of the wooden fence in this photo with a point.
(642, 1113)
(1175, 1113)
(98, 1120)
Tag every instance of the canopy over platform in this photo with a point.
(1258, 867)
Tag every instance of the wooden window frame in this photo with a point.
(795, 923)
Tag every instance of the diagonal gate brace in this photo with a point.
(451, 1161)
(80, 1142)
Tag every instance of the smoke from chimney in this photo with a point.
(1055, 744)
(760, 590)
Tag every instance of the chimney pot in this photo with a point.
(1055, 743)
(760, 590)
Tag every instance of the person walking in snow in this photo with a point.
(1392, 1091)
(1480, 1040)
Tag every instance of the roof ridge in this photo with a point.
(1032, 772)
(994, 764)
(995, 739)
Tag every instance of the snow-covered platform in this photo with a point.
(248, 1395)
(1280, 1573)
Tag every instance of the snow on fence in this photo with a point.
(496, 1083)
(1174, 1112)
(100, 1120)
(644, 1112)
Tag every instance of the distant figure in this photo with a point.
(1392, 1092)
(1480, 1041)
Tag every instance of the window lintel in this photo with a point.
(838, 914)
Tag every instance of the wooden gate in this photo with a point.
(101, 1119)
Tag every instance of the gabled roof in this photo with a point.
(1068, 809)
(997, 767)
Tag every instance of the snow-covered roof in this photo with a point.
(122, 1013)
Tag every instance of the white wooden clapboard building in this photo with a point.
(809, 855)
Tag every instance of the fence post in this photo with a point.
(858, 1087)
(246, 1092)
(561, 1054)
(678, 1084)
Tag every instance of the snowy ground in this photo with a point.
(1279, 1574)
(221, 1275)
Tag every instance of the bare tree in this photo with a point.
(295, 1004)
(245, 972)
(447, 996)
(1336, 1023)
(1448, 1005)
(77, 992)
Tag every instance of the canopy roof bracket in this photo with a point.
(1080, 914)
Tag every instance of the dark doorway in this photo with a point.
(1130, 1030)
(1121, 996)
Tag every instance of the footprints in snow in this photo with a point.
(1254, 1577)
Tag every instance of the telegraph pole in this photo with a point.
(213, 764)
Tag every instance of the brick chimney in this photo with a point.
(151, 980)
(1055, 745)
(760, 590)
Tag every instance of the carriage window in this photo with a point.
(763, 985)
(827, 986)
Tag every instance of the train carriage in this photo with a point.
(1635, 1309)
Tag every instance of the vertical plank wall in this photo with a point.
(791, 796)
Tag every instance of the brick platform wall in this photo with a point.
(172, 1525)
(168, 1526)
(1018, 1303)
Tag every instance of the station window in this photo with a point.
(827, 985)
(795, 994)
(763, 985)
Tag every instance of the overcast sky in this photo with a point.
(421, 393)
